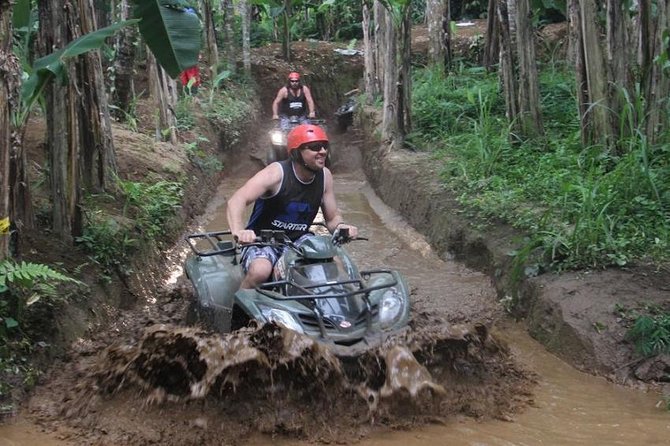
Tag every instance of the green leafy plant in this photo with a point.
(152, 204)
(198, 156)
(108, 243)
(25, 284)
(651, 334)
(585, 206)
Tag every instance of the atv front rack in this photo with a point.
(268, 289)
(219, 245)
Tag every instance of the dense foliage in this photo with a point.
(584, 206)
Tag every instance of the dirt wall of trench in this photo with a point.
(574, 315)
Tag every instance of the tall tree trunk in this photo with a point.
(97, 145)
(103, 12)
(405, 78)
(56, 19)
(10, 78)
(380, 43)
(507, 63)
(596, 74)
(286, 34)
(163, 90)
(124, 63)
(439, 33)
(245, 13)
(389, 133)
(529, 93)
(646, 46)
(492, 43)
(575, 33)
(618, 59)
(369, 54)
(658, 82)
(212, 51)
(229, 35)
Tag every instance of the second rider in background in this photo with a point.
(293, 100)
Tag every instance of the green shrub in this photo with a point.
(108, 243)
(583, 206)
(651, 334)
(152, 205)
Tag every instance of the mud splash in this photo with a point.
(272, 380)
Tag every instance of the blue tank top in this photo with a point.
(293, 208)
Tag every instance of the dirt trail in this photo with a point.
(151, 379)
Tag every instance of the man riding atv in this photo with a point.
(287, 196)
(293, 100)
(274, 270)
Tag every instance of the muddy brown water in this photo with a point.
(567, 408)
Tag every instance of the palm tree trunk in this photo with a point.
(529, 93)
(124, 64)
(380, 42)
(492, 43)
(10, 76)
(439, 32)
(389, 133)
(286, 41)
(575, 26)
(507, 63)
(98, 155)
(658, 83)
(369, 54)
(596, 74)
(163, 90)
(62, 124)
(245, 12)
(210, 38)
(228, 34)
(405, 78)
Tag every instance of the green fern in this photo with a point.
(26, 274)
(28, 282)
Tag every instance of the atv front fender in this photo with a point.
(215, 279)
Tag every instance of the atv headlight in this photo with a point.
(277, 138)
(281, 317)
(390, 308)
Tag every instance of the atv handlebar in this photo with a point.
(225, 243)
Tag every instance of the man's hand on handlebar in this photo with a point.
(353, 230)
(312, 115)
(245, 236)
(275, 117)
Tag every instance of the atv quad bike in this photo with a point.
(316, 289)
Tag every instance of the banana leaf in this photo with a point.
(172, 31)
(53, 65)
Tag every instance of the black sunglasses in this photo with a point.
(294, 82)
(316, 146)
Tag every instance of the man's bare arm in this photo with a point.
(263, 183)
(310, 102)
(281, 94)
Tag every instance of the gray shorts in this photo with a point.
(251, 253)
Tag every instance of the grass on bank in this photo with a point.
(584, 207)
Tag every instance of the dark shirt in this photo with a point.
(294, 105)
(293, 208)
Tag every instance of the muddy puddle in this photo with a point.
(447, 381)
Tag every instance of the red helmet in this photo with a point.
(294, 76)
(303, 134)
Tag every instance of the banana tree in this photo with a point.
(397, 86)
(171, 34)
